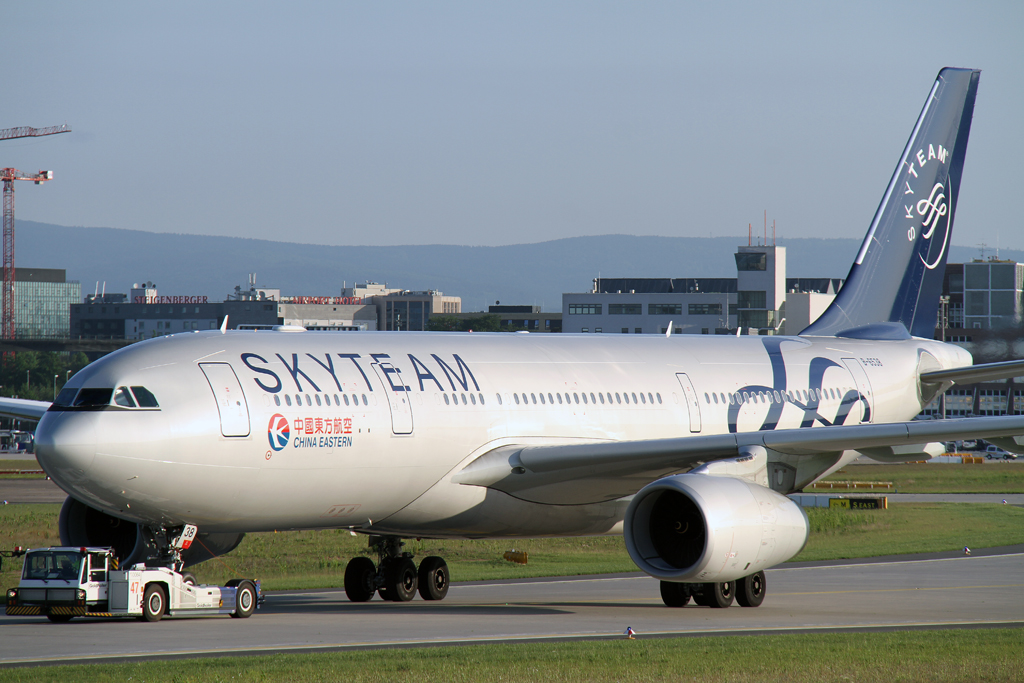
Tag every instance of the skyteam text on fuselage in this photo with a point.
(685, 444)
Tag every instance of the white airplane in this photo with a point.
(684, 444)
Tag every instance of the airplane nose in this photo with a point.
(66, 446)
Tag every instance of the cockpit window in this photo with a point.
(145, 397)
(93, 397)
(123, 397)
(66, 397)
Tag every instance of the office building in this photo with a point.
(146, 313)
(402, 310)
(755, 301)
(41, 300)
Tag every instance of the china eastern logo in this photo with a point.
(278, 431)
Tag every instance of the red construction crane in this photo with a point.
(9, 175)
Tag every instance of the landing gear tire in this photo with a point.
(154, 603)
(750, 590)
(188, 578)
(433, 578)
(359, 578)
(401, 580)
(720, 595)
(59, 618)
(245, 600)
(675, 594)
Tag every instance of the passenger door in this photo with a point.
(692, 404)
(398, 397)
(234, 411)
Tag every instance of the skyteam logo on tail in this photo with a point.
(934, 210)
(930, 211)
(278, 431)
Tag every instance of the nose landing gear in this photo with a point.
(395, 576)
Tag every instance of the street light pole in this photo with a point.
(944, 312)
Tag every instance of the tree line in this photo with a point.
(489, 322)
(38, 375)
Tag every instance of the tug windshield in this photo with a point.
(53, 564)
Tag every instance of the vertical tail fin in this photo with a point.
(897, 276)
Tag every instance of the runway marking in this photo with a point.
(558, 581)
(783, 568)
(553, 581)
(536, 603)
(563, 602)
(497, 638)
(658, 600)
(773, 569)
(903, 590)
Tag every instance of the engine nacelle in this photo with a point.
(82, 525)
(700, 528)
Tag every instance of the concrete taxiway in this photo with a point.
(959, 592)
(30, 491)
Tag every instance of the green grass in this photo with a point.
(910, 528)
(953, 655)
(20, 465)
(313, 559)
(317, 559)
(998, 477)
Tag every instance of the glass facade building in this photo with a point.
(992, 293)
(42, 299)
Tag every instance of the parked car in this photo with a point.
(997, 453)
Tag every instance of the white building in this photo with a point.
(756, 301)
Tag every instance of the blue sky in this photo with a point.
(499, 123)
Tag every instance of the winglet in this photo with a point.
(668, 332)
(224, 325)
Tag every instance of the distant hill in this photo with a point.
(538, 273)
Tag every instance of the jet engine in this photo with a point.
(701, 528)
(81, 525)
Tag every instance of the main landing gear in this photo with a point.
(748, 592)
(395, 576)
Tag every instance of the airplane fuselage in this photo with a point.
(365, 430)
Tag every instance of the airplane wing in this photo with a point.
(972, 374)
(22, 408)
(576, 474)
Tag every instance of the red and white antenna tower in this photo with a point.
(9, 175)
